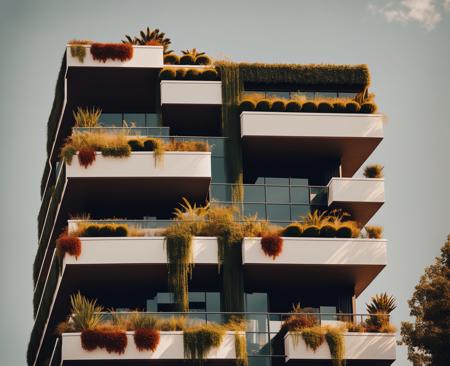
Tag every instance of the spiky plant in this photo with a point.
(149, 36)
(315, 218)
(85, 117)
(85, 312)
(381, 303)
(194, 53)
(189, 211)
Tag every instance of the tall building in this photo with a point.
(275, 143)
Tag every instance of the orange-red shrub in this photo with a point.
(113, 51)
(153, 42)
(272, 245)
(146, 339)
(298, 322)
(68, 244)
(86, 156)
(111, 340)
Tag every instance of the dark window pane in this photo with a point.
(259, 361)
(277, 194)
(278, 212)
(299, 181)
(319, 196)
(212, 301)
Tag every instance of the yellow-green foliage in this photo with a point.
(85, 117)
(240, 345)
(374, 232)
(199, 340)
(335, 341)
(313, 337)
(374, 171)
(84, 313)
(77, 49)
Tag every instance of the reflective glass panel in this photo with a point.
(152, 120)
(258, 343)
(278, 181)
(298, 211)
(278, 212)
(256, 302)
(217, 147)
(259, 361)
(326, 94)
(276, 194)
(277, 94)
(134, 119)
(300, 195)
(319, 196)
(258, 209)
(218, 170)
(254, 193)
(346, 95)
(221, 192)
(111, 119)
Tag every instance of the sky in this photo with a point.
(405, 43)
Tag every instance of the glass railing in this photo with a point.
(276, 203)
(131, 131)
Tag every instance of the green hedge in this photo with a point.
(188, 74)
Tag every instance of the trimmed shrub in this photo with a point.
(180, 74)
(298, 322)
(368, 107)
(146, 339)
(167, 74)
(202, 60)
(68, 244)
(90, 339)
(352, 107)
(210, 75)
(171, 59)
(153, 42)
(247, 105)
(344, 231)
(374, 232)
(114, 341)
(309, 107)
(328, 231)
(339, 107)
(278, 106)
(121, 230)
(106, 231)
(293, 106)
(374, 171)
(91, 231)
(86, 156)
(263, 105)
(187, 60)
(192, 74)
(272, 245)
(116, 151)
(311, 231)
(136, 145)
(150, 144)
(111, 51)
(325, 107)
(292, 231)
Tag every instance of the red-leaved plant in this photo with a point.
(110, 339)
(146, 339)
(111, 51)
(272, 245)
(86, 156)
(68, 244)
(153, 42)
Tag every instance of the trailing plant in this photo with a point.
(68, 244)
(335, 341)
(77, 49)
(86, 156)
(298, 320)
(374, 171)
(111, 51)
(150, 37)
(201, 339)
(240, 346)
(146, 339)
(313, 337)
(374, 232)
(272, 245)
(84, 313)
(85, 117)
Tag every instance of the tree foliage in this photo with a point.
(428, 339)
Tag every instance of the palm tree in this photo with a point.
(381, 304)
(150, 37)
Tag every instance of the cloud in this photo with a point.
(428, 13)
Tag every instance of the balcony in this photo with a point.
(361, 197)
(143, 57)
(360, 349)
(306, 138)
(171, 347)
(200, 100)
(315, 261)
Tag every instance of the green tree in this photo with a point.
(428, 339)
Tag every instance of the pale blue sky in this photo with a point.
(408, 54)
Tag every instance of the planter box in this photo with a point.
(138, 250)
(143, 57)
(171, 347)
(191, 92)
(358, 347)
(142, 164)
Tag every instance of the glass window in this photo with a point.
(328, 95)
(213, 301)
(152, 120)
(217, 147)
(298, 211)
(254, 193)
(318, 196)
(218, 170)
(278, 181)
(303, 94)
(197, 297)
(258, 209)
(221, 192)
(258, 343)
(277, 194)
(111, 119)
(277, 94)
(134, 119)
(346, 95)
(299, 181)
(300, 195)
(256, 302)
(164, 298)
(259, 361)
(151, 305)
(278, 212)
(328, 313)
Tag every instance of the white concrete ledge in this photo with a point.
(191, 92)
(142, 164)
(356, 190)
(318, 251)
(143, 57)
(289, 124)
(138, 250)
(358, 346)
(171, 347)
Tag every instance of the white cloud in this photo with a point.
(428, 13)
